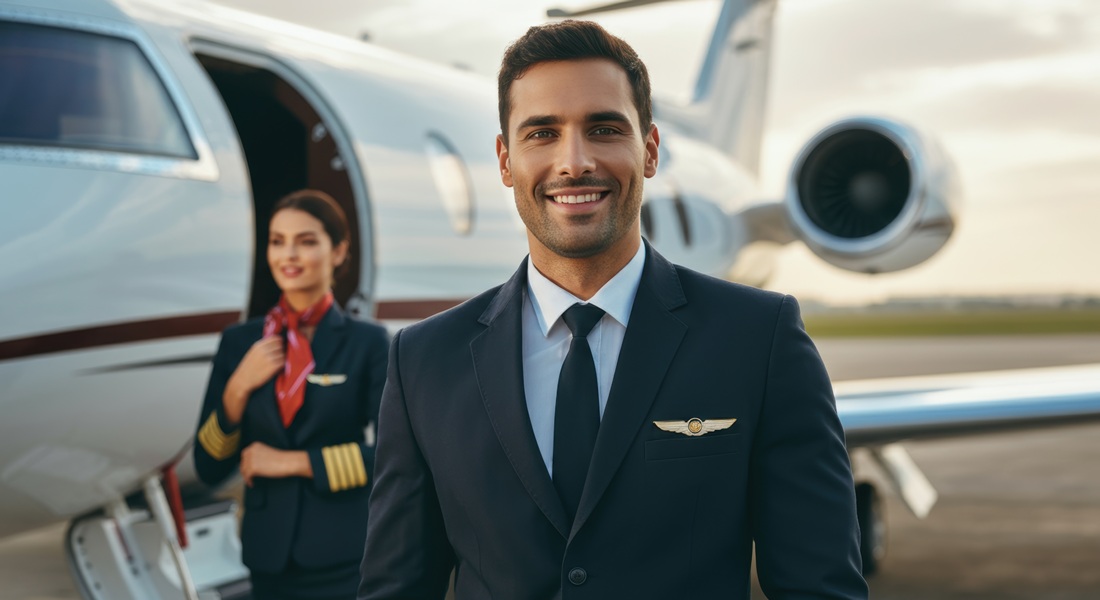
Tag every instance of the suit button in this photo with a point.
(577, 576)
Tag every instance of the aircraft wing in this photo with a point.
(878, 414)
(883, 411)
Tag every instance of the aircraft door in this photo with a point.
(291, 140)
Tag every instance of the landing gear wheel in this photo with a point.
(872, 527)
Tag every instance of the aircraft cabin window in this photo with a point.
(453, 182)
(73, 89)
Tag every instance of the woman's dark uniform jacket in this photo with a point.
(315, 523)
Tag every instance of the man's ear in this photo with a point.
(652, 142)
(503, 162)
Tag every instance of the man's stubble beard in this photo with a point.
(621, 220)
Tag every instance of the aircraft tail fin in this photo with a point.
(727, 106)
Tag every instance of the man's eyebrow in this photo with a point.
(607, 116)
(539, 121)
(613, 116)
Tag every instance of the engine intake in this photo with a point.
(872, 195)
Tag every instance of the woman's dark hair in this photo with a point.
(322, 207)
(571, 40)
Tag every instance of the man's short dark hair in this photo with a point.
(571, 40)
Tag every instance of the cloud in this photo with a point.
(835, 51)
(1059, 106)
(900, 34)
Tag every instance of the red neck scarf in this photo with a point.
(290, 385)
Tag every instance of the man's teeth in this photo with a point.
(578, 199)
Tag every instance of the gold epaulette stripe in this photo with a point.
(355, 464)
(344, 464)
(333, 466)
(215, 441)
(335, 482)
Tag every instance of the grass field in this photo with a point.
(964, 322)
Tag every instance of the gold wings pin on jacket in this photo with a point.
(695, 427)
(326, 379)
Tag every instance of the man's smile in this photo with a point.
(574, 198)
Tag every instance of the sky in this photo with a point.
(1011, 89)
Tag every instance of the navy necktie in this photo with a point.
(577, 415)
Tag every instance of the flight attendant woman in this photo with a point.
(288, 402)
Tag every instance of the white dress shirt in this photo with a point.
(546, 341)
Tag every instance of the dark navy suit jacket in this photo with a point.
(320, 522)
(460, 482)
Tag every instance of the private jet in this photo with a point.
(143, 143)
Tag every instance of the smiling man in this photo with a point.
(576, 161)
(604, 424)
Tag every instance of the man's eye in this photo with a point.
(541, 134)
(604, 131)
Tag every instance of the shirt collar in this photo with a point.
(616, 297)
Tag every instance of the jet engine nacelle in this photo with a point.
(872, 195)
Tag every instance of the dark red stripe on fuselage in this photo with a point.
(414, 309)
(171, 327)
(118, 333)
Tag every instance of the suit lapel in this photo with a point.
(652, 339)
(269, 412)
(327, 339)
(498, 362)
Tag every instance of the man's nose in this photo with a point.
(575, 157)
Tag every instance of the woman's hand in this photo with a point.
(261, 460)
(262, 361)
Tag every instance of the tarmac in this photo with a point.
(1018, 516)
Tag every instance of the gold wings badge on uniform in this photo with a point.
(695, 427)
(326, 379)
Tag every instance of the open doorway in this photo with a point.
(288, 147)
